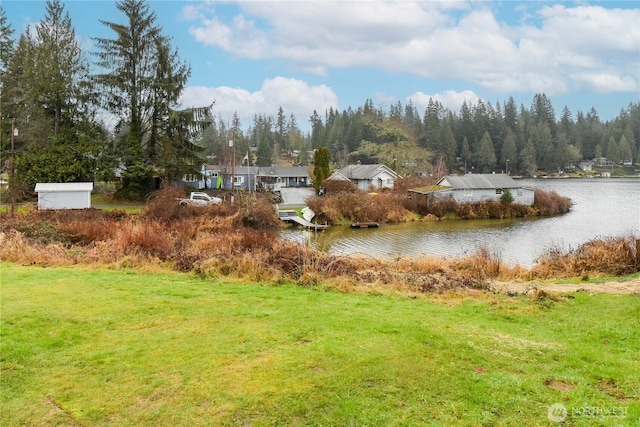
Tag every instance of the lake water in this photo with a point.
(602, 208)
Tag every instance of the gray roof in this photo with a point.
(365, 171)
(479, 181)
(337, 176)
(280, 171)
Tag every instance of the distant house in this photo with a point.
(268, 178)
(367, 177)
(283, 176)
(68, 195)
(479, 188)
(586, 165)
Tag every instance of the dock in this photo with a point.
(365, 225)
(292, 216)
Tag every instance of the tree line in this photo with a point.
(123, 121)
(480, 137)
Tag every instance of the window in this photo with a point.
(498, 190)
(468, 192)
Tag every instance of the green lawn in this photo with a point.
(97, 347)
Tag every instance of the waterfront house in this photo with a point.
(367, 177)
(267, 178)
(283, 177)
(479, 188)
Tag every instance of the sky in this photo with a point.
(252, 57)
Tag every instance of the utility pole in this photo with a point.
(232, 144)
(12, 183)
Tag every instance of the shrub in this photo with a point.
(550, 203)
(403, 185)
(439, 207)
(333, 186)
(256, 211)
(507, 197)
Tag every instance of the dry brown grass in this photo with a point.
(607, 256)
(398, 205)
(550, 203)
(240, 240)
(359, 206)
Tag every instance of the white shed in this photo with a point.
(66, 195)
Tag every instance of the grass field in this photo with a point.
(98, 347)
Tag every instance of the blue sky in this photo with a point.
(253, 57)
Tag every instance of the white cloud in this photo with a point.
(450, 99)
(564, 49)
(294, 96)
(605, 82)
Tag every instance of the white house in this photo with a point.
(367, 177)
(481, 188)
(67, 195)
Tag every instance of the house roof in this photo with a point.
(478, 181)
(63, 186)
(337, 176)
(281, 171)
(358, 172)
(290, 171)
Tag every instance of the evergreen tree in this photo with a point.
(317, 130)
(264, 154)
(624, 149)
(486, 155)
(467, 155)
(281, 127)
(431, 126)
(6, 42)
(448, 145)
(321, 169)
(509, 154)
(542, 111)
(511, 115)
(613, 153)
(46, 89)
(541, 136)
(562, 154)
(528, 158)
(6, 54)
(142, 82)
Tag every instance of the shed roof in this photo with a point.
(365, 171)
(63, 186)
(479, 181)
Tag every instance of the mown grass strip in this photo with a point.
(99, 347)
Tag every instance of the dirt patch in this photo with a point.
(628, 287)
(561, 386)
(609, 386)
